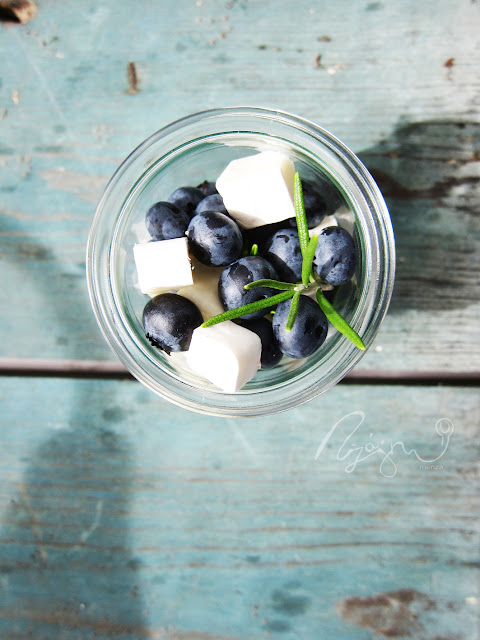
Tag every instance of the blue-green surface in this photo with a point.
(67, 120)
(123, 516)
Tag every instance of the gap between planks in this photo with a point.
(57, 368)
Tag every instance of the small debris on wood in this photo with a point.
(324, 39)
(27, 161)
(15, 97)
(318, 61)
(448, 64)
(336, 67)
(21, 11)
(389, 615)
(132, 79)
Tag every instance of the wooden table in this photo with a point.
(125, 517)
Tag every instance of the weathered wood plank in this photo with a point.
(381, 85)
(124, 517)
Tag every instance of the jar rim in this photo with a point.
(319, 146)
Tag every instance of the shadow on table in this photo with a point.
(423, 171)
(67, 570)
(66, 566)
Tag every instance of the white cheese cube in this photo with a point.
(163, 265)
(225, 354)
(258, 189)
(204, 291)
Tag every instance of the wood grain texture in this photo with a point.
(124, 517)
(373, 73)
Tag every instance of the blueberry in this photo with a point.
(335, 256)
(284, 254)
(208, 188)
(231, 285)
(271, 352)
(308, 332)
(213, 202)
(187, 198)
(214, 238)
(169, 320)
(165, 221)
(261, 235)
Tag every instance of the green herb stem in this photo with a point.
(293, 290)
(292, 314)
(308, 259)
(338, 322)
(273, 284)
(248, 308)
(300, 214)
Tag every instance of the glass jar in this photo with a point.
(198, 148)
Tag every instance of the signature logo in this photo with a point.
(354, 454)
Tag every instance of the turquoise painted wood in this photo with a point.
(124, 517)
(397, 82)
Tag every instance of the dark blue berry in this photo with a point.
(187, 198)
(165, 221)
(335, 256)
(261, 235)
(169, 320)
(214, 238)
(308, 332)
(207, 188)
(211, 203)
(231, 285)
(271, 352)
(284, 254)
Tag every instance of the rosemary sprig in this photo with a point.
(338, 322)
(308, 260)
(264, 303)
(273, 284)
(300, 215)
(292, 313)
(294, 290)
